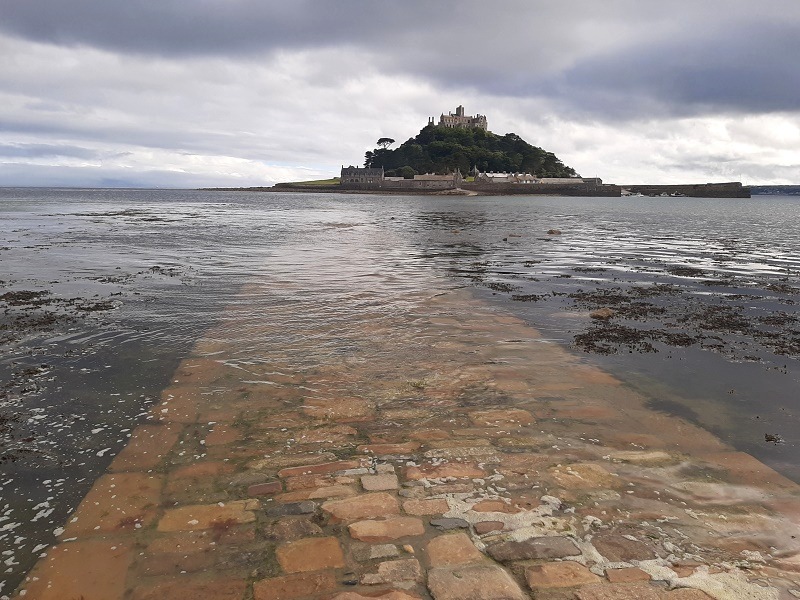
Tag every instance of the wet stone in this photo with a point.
(617, 548)
(222, 434)
(688, 594)
(290, 508)
(372, 552)
(117, 502)
(366, 506)
(415, 492)
(485, 527)
(534, 548)
(349, 578)
(639, 457)
(310, 554)
(453, 488)
(331, 491)
(294, 586)
(224, 589)
(512, 417)
(395, 571)
(248, 478)
(292, 460)
(387, 529)
(146, 448)
(494, 506)
(446, 524)
(309, 482)
(293, 528)
(376, 483)
(196, 517)
(484, 453)
(452, 549)
(265, 489)
(583, 476)
(390, 595)
(456, 469)
(319, 469)
(432, 506)
(389, 449)
(174, 563)
(341, 410)
(559, 575)
(619, 591)
(626, 575)
(478, 582)
(102, 566)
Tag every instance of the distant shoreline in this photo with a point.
(705, 190)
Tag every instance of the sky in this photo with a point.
(199, 93)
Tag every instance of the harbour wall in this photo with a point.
(732, 189)
(543, 189)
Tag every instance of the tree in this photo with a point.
(406, 172)
(441, 150)
(368, 157)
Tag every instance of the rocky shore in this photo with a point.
(447, 452)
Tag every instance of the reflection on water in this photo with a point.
(171, 263)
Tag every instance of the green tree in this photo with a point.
(406, 172)
(385, 142)
(441, 149)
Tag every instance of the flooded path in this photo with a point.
(432, 448)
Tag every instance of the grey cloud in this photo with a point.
(746, 69)
(46, 151)
(684, 56)
(221, 27)
(21, 175)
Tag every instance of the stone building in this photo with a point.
(358, 178)
(462, 121)
(360, 175)
(506, 178)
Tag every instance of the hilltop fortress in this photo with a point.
(375, 178)
(461, 121)
(545, 181)
(474, 161)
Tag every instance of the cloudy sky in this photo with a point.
(188, 93)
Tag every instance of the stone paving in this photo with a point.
(450, 454)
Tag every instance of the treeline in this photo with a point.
(443, 150)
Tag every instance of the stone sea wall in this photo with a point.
(732, 189)
(549, 189)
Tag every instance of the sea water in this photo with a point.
(103, 292)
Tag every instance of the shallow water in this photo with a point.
(161, 267)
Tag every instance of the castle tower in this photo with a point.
(460, 120)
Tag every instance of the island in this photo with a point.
(460, 156)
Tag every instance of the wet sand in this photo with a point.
(446, 451)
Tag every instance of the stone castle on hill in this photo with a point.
(461, 121)
(375, 179)
(371, 178)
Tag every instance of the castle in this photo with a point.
(461, 121)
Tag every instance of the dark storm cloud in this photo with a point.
(215, 27)
(746, 69)
(684, 57)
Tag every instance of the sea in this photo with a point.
(692, 302)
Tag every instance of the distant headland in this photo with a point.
(459, 155)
